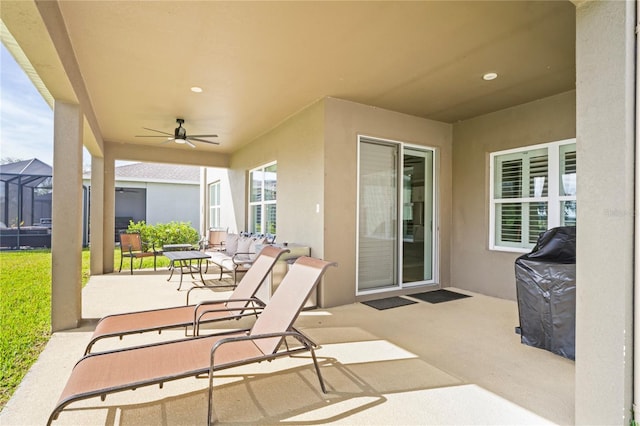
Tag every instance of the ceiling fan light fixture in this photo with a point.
(180, 135)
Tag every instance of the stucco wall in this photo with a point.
(164, 202)
(605, 51)
(227, 211)
(297, 146)
(317, 177)
(474, 267)
(168, 202)
(344, 122)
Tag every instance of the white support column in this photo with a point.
(66, 234)
(97, 216)
(109, 211)
(605, 44)
(204, 213)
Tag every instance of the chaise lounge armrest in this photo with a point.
(253, 307)
(243, 258)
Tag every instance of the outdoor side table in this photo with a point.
(176, 247)
(184, 260)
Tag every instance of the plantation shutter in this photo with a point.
(521, 189)
(538, 189)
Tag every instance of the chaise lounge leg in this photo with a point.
(211, 417)
(315, 363)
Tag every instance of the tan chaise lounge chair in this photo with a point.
(103, 373)
(241, 303)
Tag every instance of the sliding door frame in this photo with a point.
(435, 255)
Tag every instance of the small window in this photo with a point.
(262, 199)
(214, 205)
(532, 189)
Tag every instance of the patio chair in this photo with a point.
(103, 373)
(132, 246)
(215, 239)
(242, 302)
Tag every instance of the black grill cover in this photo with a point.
(546, 292)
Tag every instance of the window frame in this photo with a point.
(214, 219)
(263, 204)
(553, 197)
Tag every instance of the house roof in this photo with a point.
(158, 172)
(33, 167)
(29, 173)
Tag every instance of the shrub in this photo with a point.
(166, 233)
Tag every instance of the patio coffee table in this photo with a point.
(184, 260)
(176, 247)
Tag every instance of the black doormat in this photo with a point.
(389, 302)
(439, 296)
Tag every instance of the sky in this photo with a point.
(26, 121)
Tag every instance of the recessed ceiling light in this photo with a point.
(490, 76)
(196, 89)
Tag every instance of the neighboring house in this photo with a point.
(155, 193)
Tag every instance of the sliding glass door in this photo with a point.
(417, 216)
(378, 216)
(395, 215)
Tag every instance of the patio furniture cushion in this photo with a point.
(238, 255)
(231, 244)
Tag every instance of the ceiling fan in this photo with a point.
(180, 135)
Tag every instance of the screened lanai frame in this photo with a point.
(25, 202)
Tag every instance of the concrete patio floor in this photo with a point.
(453, 363)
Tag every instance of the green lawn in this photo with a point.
(25, 310)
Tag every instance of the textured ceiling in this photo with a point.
(261, 62)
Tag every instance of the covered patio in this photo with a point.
(430, 364)
(297, 84)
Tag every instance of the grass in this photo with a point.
(25, 310)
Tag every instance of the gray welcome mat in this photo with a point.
(389, 302)
(439, 296)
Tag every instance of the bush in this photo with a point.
(166, 233)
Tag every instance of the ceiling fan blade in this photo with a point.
(168, 140)
(158, 131)
(152, 136)
(189, 143)
(204, 140)
(203, 136)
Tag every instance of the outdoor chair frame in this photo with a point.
(241, 303)
(147, 365)
(132, 246)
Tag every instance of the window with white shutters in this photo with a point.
(532, 189)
